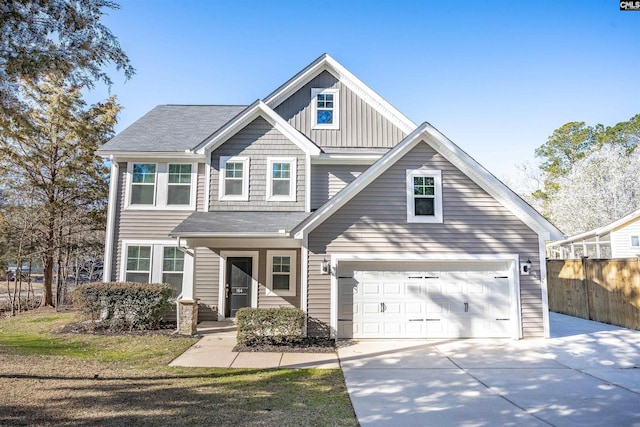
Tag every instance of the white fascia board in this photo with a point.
(349, 159)
(601, 231)
(255, 110)
(489, 183)
(326, 63)
(136, 155)
(229, 235)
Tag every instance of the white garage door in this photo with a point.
(404, 300)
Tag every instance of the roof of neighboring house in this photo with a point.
(237, 224)
(450, 151)
(169, 128)
(600, 231)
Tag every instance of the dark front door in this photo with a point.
(238, 285)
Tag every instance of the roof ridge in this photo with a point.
(204, 105)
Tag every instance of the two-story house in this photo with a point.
(323, 196)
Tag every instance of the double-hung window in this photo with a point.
(179, 184)
(635, 241)
(234, 178)
(143, 184)
(281, 273)
(424, 195)
(325, 105)
(138, 264)
(281, 178)
(173, 268)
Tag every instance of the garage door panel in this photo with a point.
(387, 302)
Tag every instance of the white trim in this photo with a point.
(193, 187)
(255, 257)
(293, 278)
(514, 279)
(637, 237)
(429, 135)
(293, 174)
(129, 186)
(130, 156)
(307, 183)
(161, 188)
(335, 111)
(111, 219)
(601, 231)
(222, 178)
(327, 63)
(255, 110)
(207, 182)
(351, 159)
(304, 279)
(437, 177)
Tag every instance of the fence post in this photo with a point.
(585, 286)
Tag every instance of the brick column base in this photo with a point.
(187, 317)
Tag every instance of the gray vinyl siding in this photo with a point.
(360, 124)
(269, 301)
(258, 141)
(145, 224)
(207, 287)
(327, 180)
(474, 223)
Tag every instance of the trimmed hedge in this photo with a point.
(282, 325)
(123, 306)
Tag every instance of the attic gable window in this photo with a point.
(234, 178)
(424, 195)
(325, 105)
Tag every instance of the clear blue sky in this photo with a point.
(496, 77)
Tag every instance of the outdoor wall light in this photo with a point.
(525, 268)
(324, 266)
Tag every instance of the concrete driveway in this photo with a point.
(587, 374)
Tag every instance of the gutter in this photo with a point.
(111, 219)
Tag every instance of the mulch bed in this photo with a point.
(308, 345)
(86, 327)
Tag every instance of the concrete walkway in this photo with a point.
(215, 350)
(587, 374)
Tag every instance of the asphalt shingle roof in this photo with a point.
(169, 128)
(248, 222)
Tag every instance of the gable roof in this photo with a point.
(255, 110)
(601, 231)
(171, 128)
(327, 63)
(456, 156)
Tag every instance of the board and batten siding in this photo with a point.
(474, 223)
(328, 180)
(360, 124)
(258, 141)
(621, 241)
(148, 224)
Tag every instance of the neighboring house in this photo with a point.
(325, 197)
(619, 239)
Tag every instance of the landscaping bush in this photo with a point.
(123, 306)
(257, 326)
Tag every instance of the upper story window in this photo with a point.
(234, 178)
(325, 105)
(281, 273)
(635, 241)
(161, 185)
(143, 184)
(281, 178)
(179, 184)
(424, 195)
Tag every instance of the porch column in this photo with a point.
(187, 318)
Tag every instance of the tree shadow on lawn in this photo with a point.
(238, 397)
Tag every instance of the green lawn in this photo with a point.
(80, 380)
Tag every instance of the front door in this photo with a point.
(238, 285)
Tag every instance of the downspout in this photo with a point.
(190, 295)
(111, 219)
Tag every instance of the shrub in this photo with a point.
(283, 325)
(123, 306)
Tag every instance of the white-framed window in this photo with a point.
(281, 273)
(234, 178)
(161, 185)
(179, 184)
(138, 264)
(281, 179)
(143, 184)
(325, 108)
(635, 241)
(424, 195)
(152, 261)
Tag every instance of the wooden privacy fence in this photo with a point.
(605, 290)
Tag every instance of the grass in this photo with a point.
(79, 380)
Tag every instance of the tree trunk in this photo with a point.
(47, 259)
